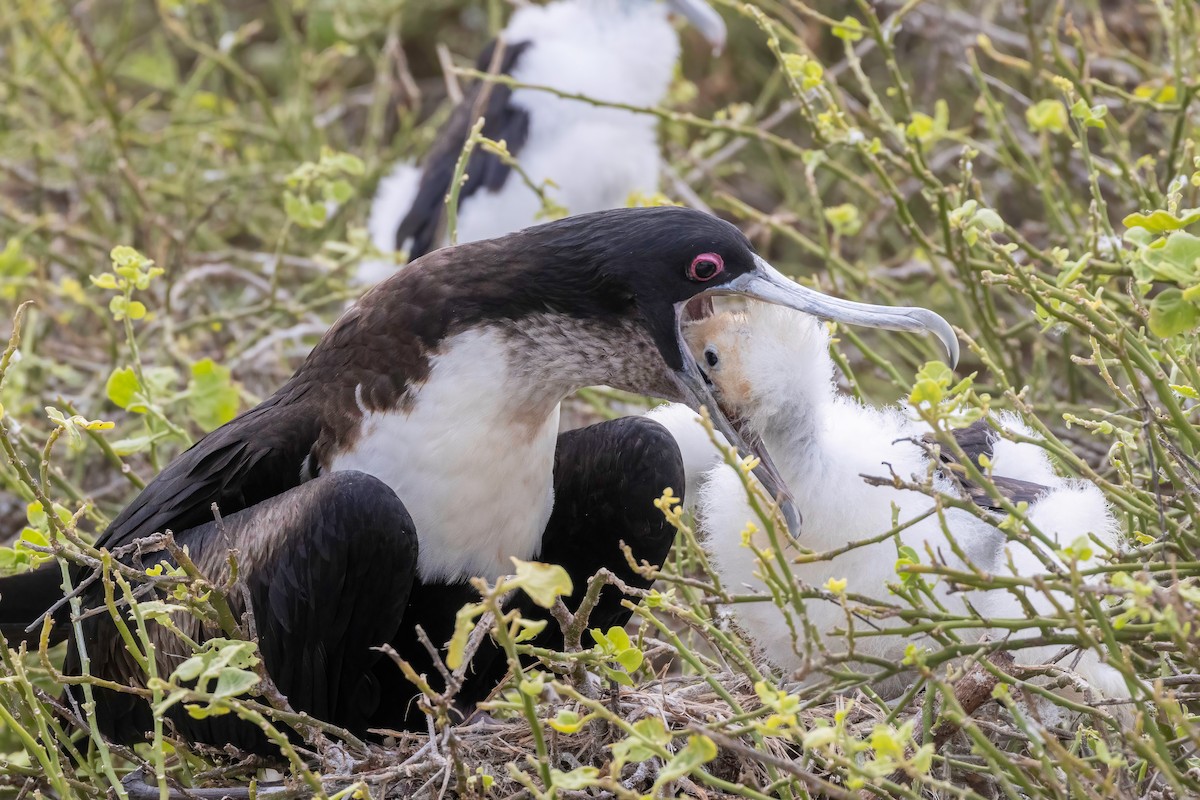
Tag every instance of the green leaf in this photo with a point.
(339, 191)
(122, 387)
(619, 677)
(542, 582)
(618, 638)
(1171, 315)
(1090, 116)
(1175, 259)
(630, 659)
(190, 669)
(698, 751)
(212, 396)
(849, 29)
(34, 537)
(567, 721)
(649, 736)
(527, 629)
(804, 70)
(204, 712)
(533, 685)
(1048, 115)
(1185, 391)
(232, 682)
(989, 220)
(576, 780)
(844, 219)
(136, 444)
(296, 208)
(345, 162)
(35, 512)
(464, 623)
(105, 281)
(1161, 221)
(125, 257)
(158, 609)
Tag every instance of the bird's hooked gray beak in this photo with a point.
(767, 284)
(703, 18)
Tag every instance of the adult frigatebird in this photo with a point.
(417, 446)
(772, 373)
(594, 157)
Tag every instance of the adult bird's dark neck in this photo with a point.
(565, 322)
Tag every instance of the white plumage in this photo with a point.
(773, 368)
(589, 158)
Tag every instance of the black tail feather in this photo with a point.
(24, 598)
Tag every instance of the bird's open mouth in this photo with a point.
(767, 284)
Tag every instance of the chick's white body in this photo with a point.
(594, 157)
(775, 371)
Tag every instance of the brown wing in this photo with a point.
(977, 440)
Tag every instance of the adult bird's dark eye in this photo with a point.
(706, 266)
(710, 356)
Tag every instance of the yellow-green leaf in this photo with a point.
(849, 29)
(1160, 221)
(212, 395)
(464, 623)
(1048, 115)
(122, 387)
(1171, 315)
(544, 583)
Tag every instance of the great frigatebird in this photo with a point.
(418, 446)
(594, 157)
(772, 373)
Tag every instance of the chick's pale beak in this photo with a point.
(703, 18)
(747, 442)
(771, 286)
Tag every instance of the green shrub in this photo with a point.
(1029, 170)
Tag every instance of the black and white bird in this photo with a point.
(772, 373)
(418, 446)
(588, 157)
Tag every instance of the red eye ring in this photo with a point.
(706, 266)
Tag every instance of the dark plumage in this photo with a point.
(978, 439)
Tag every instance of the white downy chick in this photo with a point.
(771, 367)
(593, 157)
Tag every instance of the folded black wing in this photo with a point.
(256, 456)
(502, 121)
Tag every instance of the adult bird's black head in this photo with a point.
(600, 298)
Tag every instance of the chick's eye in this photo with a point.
(705, 267)
(710, 355)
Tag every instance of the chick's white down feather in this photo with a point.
(621, 51)
(774, 370)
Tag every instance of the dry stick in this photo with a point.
(825, 788)
(970, 693)
(135, 783)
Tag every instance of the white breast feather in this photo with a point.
(472, 469)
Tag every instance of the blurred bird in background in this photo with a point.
(582, 157)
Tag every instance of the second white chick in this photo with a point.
(772, 369)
